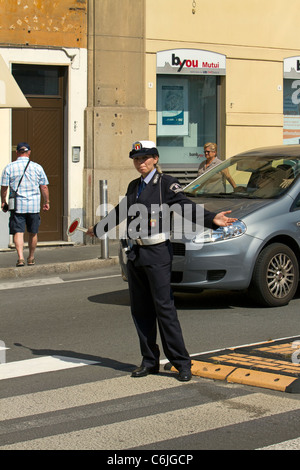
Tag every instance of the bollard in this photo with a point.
(103, 202)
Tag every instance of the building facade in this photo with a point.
(44, 45)
(178, 72)
(185, 72)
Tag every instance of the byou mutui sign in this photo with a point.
(190, 61)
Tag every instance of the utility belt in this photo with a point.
(127, 244)
(153, 240)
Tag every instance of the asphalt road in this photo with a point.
(71, 346)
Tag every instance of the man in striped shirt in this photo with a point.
(28, 200)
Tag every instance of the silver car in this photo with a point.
(261, 251)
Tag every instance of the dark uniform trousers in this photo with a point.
(152, 304)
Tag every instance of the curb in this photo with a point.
(57, 268)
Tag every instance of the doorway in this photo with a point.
(42, 126)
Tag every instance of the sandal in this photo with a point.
(30, 261)
(20, 263)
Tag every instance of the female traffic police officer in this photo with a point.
(150, 259)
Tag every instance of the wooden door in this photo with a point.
(42, 126)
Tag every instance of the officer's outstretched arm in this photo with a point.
(113, 218)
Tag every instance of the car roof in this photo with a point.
(274, 151)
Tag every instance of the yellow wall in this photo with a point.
(256, 23)
(123, 39)
(254, 35)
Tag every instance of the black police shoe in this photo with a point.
(184, 375)
(142, 371)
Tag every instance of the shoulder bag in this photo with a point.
(12, 200)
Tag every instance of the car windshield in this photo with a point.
(251, 176)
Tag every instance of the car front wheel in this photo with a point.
(275, 276)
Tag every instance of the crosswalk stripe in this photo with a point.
(40, 365)
(83, 394)
(157, 427)
(292, 444)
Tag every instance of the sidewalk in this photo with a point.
(57, 259)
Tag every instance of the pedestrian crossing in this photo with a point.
(40, 365)
(122, 413)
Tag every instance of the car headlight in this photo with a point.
(234, 230)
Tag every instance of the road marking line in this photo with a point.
(165, 361)
(48, 281)
(292, 444)
(30, 283)
(93, 278)
(40, 365)
(72, 396)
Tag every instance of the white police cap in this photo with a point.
(142, 148)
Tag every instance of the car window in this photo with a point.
(251, 177)
(296, 205)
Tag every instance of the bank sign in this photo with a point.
(190, 61)
(291, 100)
(291, 67)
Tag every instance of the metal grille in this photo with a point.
(184, 176)
(178, 249)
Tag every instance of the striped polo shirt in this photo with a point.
(29, 195)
